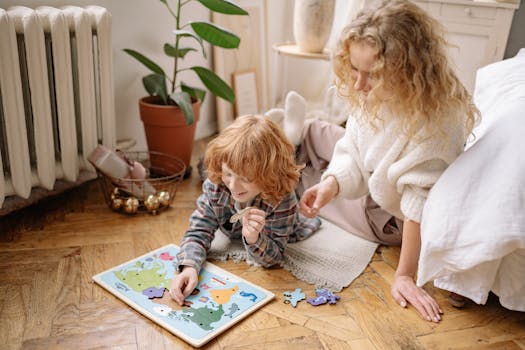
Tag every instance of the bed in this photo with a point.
(473, 224)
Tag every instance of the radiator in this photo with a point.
(57, 97)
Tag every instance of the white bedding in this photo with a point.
(473, 225)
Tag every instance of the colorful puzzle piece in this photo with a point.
(153, 292)
(251, 296)
(323, 296)
(294, 297)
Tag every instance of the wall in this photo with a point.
(288, 73)
(144, 26)
(517, 32)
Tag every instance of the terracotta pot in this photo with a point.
(166, 129)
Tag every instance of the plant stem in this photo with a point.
(176, 58)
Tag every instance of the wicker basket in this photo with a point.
(154, 193)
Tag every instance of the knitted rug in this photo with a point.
(331, 258)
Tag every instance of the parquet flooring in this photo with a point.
(48, 301)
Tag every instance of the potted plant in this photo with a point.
(169, 114)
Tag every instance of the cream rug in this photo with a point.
(331, 258)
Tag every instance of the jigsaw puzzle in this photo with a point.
(324, 296)
(220, 300)
(294, 297)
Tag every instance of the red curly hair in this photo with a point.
(256, 148)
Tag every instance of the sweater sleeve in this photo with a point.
(269, 248)
(197, 239)
(414, 185)
(420, 168)
(347, 166)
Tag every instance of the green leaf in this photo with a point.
(183, 100)
(155, 68)
(222, 6)
(171, 51)
(215, 84)
(194, 92)
(186, 33)
(155, 85)
(216, 35)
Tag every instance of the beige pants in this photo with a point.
(361, 216)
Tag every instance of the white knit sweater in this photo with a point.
(397, 172)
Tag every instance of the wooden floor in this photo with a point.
(48, 300)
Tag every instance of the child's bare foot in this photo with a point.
(457, 300)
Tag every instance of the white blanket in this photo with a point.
(316, 260)
(473, 225)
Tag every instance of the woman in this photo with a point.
(410, 117)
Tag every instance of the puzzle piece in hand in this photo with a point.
(294, 297)
(238, 216)
(323, 296)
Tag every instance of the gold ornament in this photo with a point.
(164, 198)
(117, 203)
(152, 203)
(131, 205)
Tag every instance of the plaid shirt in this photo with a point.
(215, 206)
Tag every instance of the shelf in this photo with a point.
(293, 50)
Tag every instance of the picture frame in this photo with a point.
(250, 55)
(244, 85)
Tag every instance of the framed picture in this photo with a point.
(250, 56)
(245, 89)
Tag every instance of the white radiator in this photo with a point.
(57, 97)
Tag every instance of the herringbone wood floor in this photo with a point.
(48, 301)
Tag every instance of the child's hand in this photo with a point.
(252, 224)
(183, 284)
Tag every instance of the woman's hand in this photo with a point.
(318, 196)
(252, 224)
(183, 284)
(404, 291)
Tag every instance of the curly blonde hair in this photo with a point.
(256, 148)
(411, 64)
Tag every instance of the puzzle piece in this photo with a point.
(238, 216)
(251, 296)
(323, 296)
(294, 297)
(153, 292)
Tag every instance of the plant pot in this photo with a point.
(312, 24)
(166, 129)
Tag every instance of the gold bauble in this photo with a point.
(117, 203)
(152, 202)
(164, 198)
(131, 205)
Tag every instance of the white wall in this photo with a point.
(288, 73)
(145, 26)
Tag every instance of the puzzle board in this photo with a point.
(220, 300)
